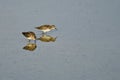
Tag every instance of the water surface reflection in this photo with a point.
(31, 46)
(47, 38)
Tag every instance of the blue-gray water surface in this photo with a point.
(87, 46)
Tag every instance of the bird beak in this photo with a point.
(56, 28)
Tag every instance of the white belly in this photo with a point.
(47, 30)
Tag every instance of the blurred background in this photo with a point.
(87, 46)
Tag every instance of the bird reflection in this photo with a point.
(47, 38)
(30, 47)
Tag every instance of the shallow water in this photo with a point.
(86, 47)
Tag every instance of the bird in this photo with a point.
(46, 28)
(30, 35)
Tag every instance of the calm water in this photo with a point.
(87, 46)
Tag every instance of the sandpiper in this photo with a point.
(30, 35)
(46, 28)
